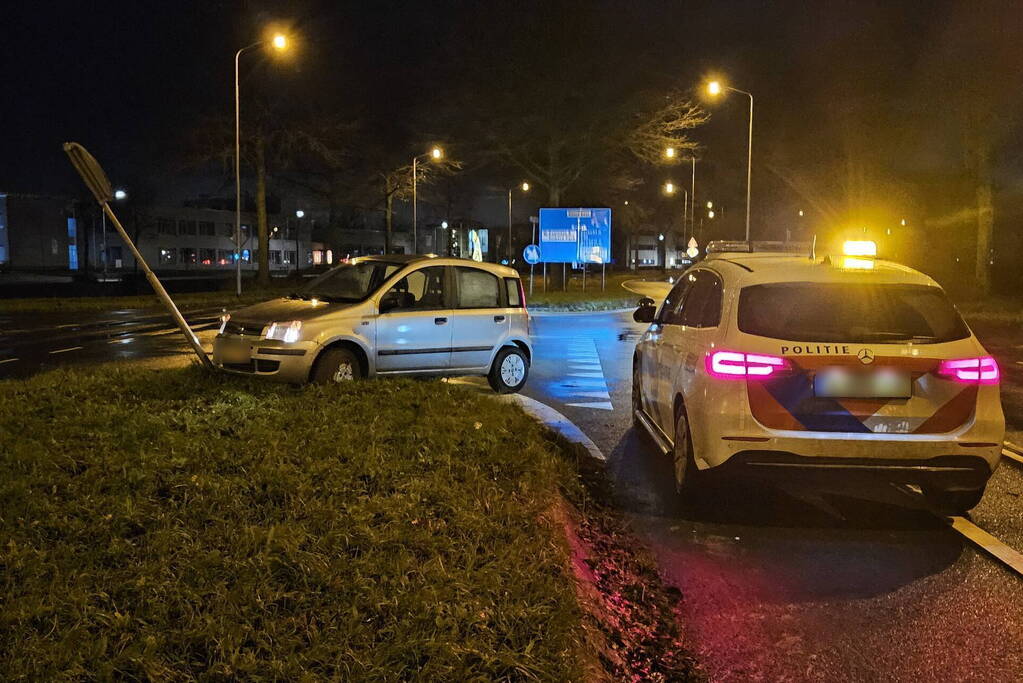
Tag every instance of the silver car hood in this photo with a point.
(285, 310)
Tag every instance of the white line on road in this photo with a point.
(592, 394)
(988, 543)
(73, 348)
(599, 405)
(7, 360)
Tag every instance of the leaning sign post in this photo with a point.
(576, 236)
(97, 182)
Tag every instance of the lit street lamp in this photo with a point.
(279, 43)
(118, 195)
(715, 88)
(436, 153)
(525, 188)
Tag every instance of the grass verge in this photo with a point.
(143, 301)
(575, 298)
(176, 524)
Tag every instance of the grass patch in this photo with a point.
(178, 524)
(221, 298)
(575, 298)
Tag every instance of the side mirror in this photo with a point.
(646, 311)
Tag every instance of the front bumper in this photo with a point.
(274, 360)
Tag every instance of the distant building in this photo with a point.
(38, 233)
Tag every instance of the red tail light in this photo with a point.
(983, 370)
(738, 365)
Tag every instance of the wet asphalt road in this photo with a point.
(776, 584)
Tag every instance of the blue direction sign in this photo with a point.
(575, 235)
(531, 254)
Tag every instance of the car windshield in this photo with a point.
(349, 282)
(846, 312)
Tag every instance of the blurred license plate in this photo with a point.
(234, 352)
(843, 383)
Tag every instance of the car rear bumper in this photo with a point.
(944, 472)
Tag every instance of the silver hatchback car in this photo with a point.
(387, 315)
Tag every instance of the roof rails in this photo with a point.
(742, 246)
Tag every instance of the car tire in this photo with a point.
(336, 366)
(509, 371)
(954, 502)
(683, 460)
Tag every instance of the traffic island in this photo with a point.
(177, 523)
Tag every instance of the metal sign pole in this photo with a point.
(603, 277)
(584, 276)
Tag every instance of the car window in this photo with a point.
(421, 289)
(477, 288)
(669, 314)
(702, 305)
(849, 312)
(350, 282)
(514, 298)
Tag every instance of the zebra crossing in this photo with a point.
(584, 376)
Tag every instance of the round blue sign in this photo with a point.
(531, 254)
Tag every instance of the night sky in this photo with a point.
(875, 81)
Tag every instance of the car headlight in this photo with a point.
(285, 332)
(223, 322)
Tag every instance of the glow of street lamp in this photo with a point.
(903, 221)
(300, 214)
(670, 152)
(710, 205)
(436, 152)
(710, 214)
(525, 187)
(121, 194)
(800, 212)
(669, 188)
(714, 88)
(444, 225)
(280, 42)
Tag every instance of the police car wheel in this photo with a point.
(954, 502)
(682, 455)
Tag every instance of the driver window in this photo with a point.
(422, 289)
(671, 309)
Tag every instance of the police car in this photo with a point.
(844, 369)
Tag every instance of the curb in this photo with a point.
(558, 423)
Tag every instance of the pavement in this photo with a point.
(776, 584)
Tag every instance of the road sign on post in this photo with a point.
(575, 235)
(531, 254)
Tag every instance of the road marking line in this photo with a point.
(1012, 455)
(7, 360)
(592, 394)
(585, 383)
(586, 366)
(988, 543)
(606, 405)
(73, 348)
(587, 374)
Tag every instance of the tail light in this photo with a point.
(983, 370)
(738, 365)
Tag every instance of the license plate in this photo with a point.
(844, 383)
(234, 352)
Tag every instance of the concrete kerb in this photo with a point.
(557, 423)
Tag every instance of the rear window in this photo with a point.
(846, 312)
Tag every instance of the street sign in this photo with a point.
(531, 254)
(575, 235)
(694, 249)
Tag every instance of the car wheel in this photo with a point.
(637, 394)
(682, 455)
(335, 366)
(954, 502)
(509, 372)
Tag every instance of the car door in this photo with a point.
(665, 353)
(414, 323)
(699, 319)
(480, 317)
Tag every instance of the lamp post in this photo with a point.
(525, 188)
(715, 88)
(118, 195)
(435, 153)
(279, 43)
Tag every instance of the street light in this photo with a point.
(279, 42)
(669, 152)
(120, 194)
(436, 153)
(300, 214)
(669, 188)
(715, 88)
(525, 188)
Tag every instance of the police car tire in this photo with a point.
(954, 502)
(495, 377)
(335, 366)
(683, 484)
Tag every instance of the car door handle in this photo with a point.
(498, 318)
(440, 321)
